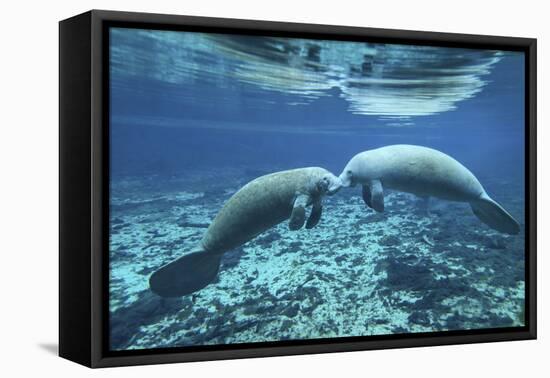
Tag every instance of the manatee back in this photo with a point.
(424, 171)
(256, 207)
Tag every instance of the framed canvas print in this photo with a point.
(233, 188)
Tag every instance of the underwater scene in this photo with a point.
(266, 188)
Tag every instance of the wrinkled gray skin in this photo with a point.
(268, 201)
(424, 172)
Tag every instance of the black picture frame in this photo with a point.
(84, 197)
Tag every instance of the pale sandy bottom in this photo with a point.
(414, 268)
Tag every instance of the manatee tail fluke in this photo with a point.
(494, 216)
(185, 275)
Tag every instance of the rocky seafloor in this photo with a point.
(416, 267)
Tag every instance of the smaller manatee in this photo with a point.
(256, 207)
(424, 172)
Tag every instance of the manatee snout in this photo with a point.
(346, 178)
(331, 184)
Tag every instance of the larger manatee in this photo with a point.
(425, 172)
(256, 207)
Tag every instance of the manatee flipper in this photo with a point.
(494, 216)
(315, 215)
(373, 195)
(298, 216)
(186, 274)
(367, 195)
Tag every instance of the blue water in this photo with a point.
(196, 116)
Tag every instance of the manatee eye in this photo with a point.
(323, 184)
